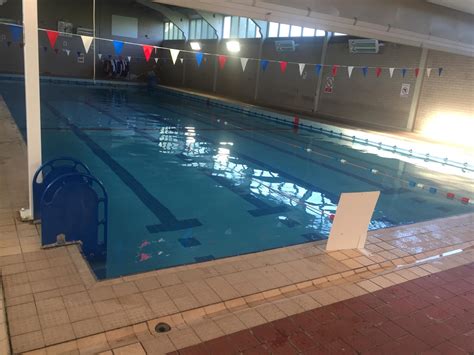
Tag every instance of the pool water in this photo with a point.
(190, 183)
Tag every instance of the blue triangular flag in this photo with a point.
(404, 72)
(365, 70)
(199, 57)
(118, 47)
(264, 64)
(440, 71)
(318, 69)
(16, 32)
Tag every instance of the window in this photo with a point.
(240, 27)
(273, 29)
(308, 32)
(172, 32)
(320, 33)
(200, 29)
(295, 31)
(339, 34)
(284, 30)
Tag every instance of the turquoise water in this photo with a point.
(190, 183)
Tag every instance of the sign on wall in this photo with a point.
(405, 91)
(329, 86)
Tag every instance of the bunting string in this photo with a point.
(222, 59)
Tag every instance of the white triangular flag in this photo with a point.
(156, 60)
(428, 72)
(86, 41)
(129, 59)
(100, 56)
(243, 62)
(302, 66)
(349, 71)
(174, 54)
(182, 60)
(67, 51)
(391, 70)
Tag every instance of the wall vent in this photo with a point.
(285, 46)
(367, 46)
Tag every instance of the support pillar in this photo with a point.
(417, 91)
(32, 95)
(324, 51)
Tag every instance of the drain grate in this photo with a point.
(162, 328)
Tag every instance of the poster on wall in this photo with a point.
(329, 86)
(405, 91)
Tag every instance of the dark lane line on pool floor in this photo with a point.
(262, 208)
(168, 221)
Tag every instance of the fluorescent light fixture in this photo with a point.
(233, 46)
(195, 46)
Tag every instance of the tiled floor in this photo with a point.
(54, 304)
(433, 314)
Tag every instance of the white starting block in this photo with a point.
(351, 222)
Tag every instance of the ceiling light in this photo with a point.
(195, 46)
(233, 46)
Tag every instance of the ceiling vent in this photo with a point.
(366, 46)
(285, 46)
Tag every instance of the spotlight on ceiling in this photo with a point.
(233, 46)
(195, 46)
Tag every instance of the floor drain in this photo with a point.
(162, 328)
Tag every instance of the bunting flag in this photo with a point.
(365, 70)
(79, 53)
(118, 46)
(87, 41)
(391, 70)
(417, 72)
(378, 71)
(181, 60)
(56, 50)
(404, 72)
(334, 69)
(264, 64)
(147, 50)
(283, 66)
(52, 36)
(222, 60)
(318, 69)
(99, 55)
(301, 66)
(129, 59)
(428, 72)
(440, 71)
(199, 57)
(156, 60)
(349, 71)
(16, 33)
(45, 48)
(243, 63)
(174, 54)
(67, 51)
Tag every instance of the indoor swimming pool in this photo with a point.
(188, 182)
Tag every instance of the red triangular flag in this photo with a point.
(147, 51)
(283, 66)
(334, 69)
(417, 71)
(222, 61)
(378, 71)
(52, 36)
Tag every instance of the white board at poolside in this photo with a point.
(350, 225)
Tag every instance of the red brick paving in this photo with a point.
(430, 315)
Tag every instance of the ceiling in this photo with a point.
(460, 5)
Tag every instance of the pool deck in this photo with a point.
(52, 302)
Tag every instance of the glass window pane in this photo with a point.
(284, 30)
(227, 27)
(210, 32)
(295, 31)
(204, 30)
(308, 32)
(243, 27)
(175, 32)
(273, 29)
(339, 34)
(251, 28)
(320, 33)
(167, 28)
(234, 28)
(192, 30)
(258, 33)
(198, 28)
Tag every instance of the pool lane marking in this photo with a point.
(168, 221)
(263, 208)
